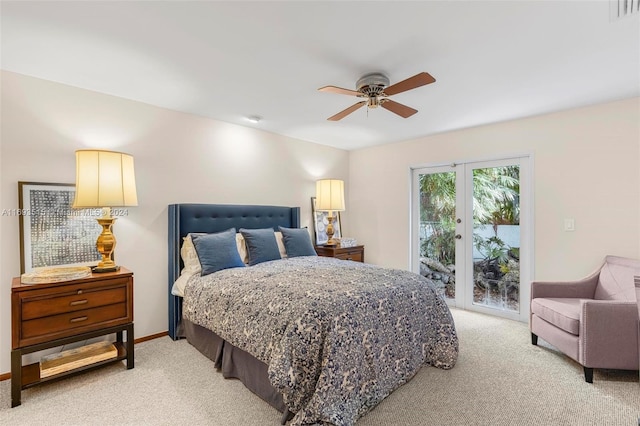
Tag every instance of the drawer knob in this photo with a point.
(79, 319)
(79, 292)
(78, 302)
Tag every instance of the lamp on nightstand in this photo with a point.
(105, 179)
(330, 198)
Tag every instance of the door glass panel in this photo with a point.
(437, 203)
(496, 237)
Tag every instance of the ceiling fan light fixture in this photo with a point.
(373, 102)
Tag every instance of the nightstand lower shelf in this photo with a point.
(26, 376)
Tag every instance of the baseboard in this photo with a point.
(7, 376)
(150, 337)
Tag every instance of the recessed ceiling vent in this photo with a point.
(621, 8)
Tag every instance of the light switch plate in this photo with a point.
(569, 225)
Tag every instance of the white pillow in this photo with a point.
(280, 241)
(242, 248)
(181, 282)
(189, 257)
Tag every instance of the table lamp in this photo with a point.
(330, 198)
(105, 179)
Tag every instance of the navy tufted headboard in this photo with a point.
(186, 218)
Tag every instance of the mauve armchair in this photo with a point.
(593, 320)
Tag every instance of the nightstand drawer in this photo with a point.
(70, 322)
(75, 300)
(355, 255)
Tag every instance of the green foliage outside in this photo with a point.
(495, 202)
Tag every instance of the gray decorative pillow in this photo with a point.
(217, 251)
(261, 245)
(297, 242)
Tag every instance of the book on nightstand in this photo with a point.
(60, 362)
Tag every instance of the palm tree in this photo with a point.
(438, 208)
(438, 196)
(495, 193)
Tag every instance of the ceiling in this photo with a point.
(492, 60)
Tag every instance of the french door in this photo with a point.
(471, 233)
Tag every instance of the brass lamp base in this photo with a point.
(106, 244)
(100, 270)
(330, 232)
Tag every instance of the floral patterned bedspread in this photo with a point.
(337, 336)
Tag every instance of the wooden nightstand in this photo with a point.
(355, 253)
(48, 315)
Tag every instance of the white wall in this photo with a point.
(586, 167)
(178, 158)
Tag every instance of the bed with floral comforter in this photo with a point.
(337, 336)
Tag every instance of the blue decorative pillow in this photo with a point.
(297, 242)
(261, 245)
(217, 251)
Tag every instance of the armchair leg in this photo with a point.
(534, 339)
(588, 375)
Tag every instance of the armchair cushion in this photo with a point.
(564, 313)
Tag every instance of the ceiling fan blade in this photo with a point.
(410, 83)
(343, 114)
(402, 110)
(340, 90)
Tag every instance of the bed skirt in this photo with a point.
(234, 363)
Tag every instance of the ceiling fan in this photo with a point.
(375, 87)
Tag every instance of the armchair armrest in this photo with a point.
(609, 334)
(584, 288)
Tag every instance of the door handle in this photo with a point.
(458, 237)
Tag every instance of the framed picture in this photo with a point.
(52, 233)
(320, 223)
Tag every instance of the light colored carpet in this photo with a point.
(500, 379)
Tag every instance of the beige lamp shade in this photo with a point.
(330, 195)
(104, 179)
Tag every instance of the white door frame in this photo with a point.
(464, 186)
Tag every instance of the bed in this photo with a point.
(320, 339)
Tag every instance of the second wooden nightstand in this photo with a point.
(355, 253)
